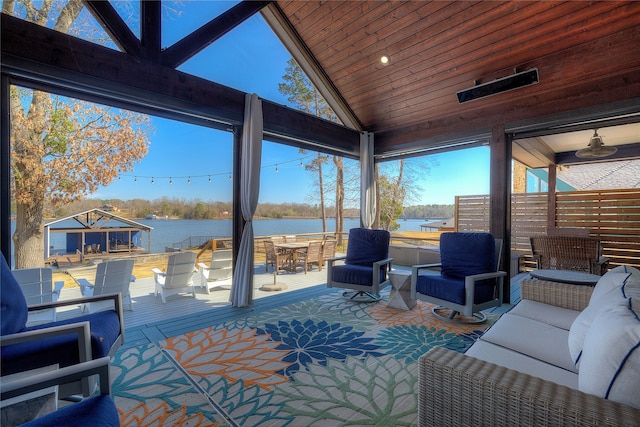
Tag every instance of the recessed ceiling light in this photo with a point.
(384, 59)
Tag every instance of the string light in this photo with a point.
(300, 161)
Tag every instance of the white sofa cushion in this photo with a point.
(555, 316)
(610, 361)
(535, 339)
(489, 352)
(610, 289)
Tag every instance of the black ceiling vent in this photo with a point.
(503, 84)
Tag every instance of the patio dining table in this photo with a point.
(289, 249)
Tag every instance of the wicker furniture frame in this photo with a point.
(569, 253)
(457, 390)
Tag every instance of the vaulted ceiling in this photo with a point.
(587, 55)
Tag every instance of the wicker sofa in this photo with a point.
(522, 371)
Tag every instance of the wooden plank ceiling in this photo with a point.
(587, 54)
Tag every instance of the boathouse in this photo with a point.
(96, 231)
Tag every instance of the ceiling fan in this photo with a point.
(596, 148)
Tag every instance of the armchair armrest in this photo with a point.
(573, 297)
(100, 367)
(332, 261)
(455, 389)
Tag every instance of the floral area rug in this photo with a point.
(321, 362)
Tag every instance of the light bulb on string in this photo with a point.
(276, 168)
(229, 177)
(152, 181)
(170, 181)
(189, 180)
(209, 178)
(135, 179)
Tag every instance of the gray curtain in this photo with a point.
(242, 287)
(367, 181)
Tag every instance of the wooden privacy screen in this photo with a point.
(613, 216)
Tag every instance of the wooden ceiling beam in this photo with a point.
(151, 29)
(198, 40)
(45, 59)
(111, 21)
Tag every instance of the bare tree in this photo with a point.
(305, 96)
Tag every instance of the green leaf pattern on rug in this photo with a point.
(409, 342)
(374, 391)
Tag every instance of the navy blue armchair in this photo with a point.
(364, 269)
(96, 411)
(468, 281)
(65, 342)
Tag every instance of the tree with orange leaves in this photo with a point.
(62, 149)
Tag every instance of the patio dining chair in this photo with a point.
(38, 287)
(274, 257)
(328, 250)
(310, 255)
(112, 277)
(178, 278)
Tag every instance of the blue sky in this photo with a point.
(251, 59)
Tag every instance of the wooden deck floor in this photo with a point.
(153, 321)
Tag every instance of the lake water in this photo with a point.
(171, 233)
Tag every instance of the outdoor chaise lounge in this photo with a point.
(178, 278)
(112, 277)
(65, 342)
(38, 288)
(219, 272)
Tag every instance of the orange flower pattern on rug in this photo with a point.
(162, 415)
(235, 355)
(421, 315)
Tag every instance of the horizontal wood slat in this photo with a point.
(613, 216)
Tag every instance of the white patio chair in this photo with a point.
(179, 276)
(219, 272)
(112, 277)
(38, 288)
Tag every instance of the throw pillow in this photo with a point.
(13, 305)
(613, 279)
(610, 361)
(582, 323)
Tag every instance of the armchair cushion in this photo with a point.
(98, 411)
(452, 289)
(105, 329)
(367, 246)
(13, 305)
(466, 254)
(355, 274)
